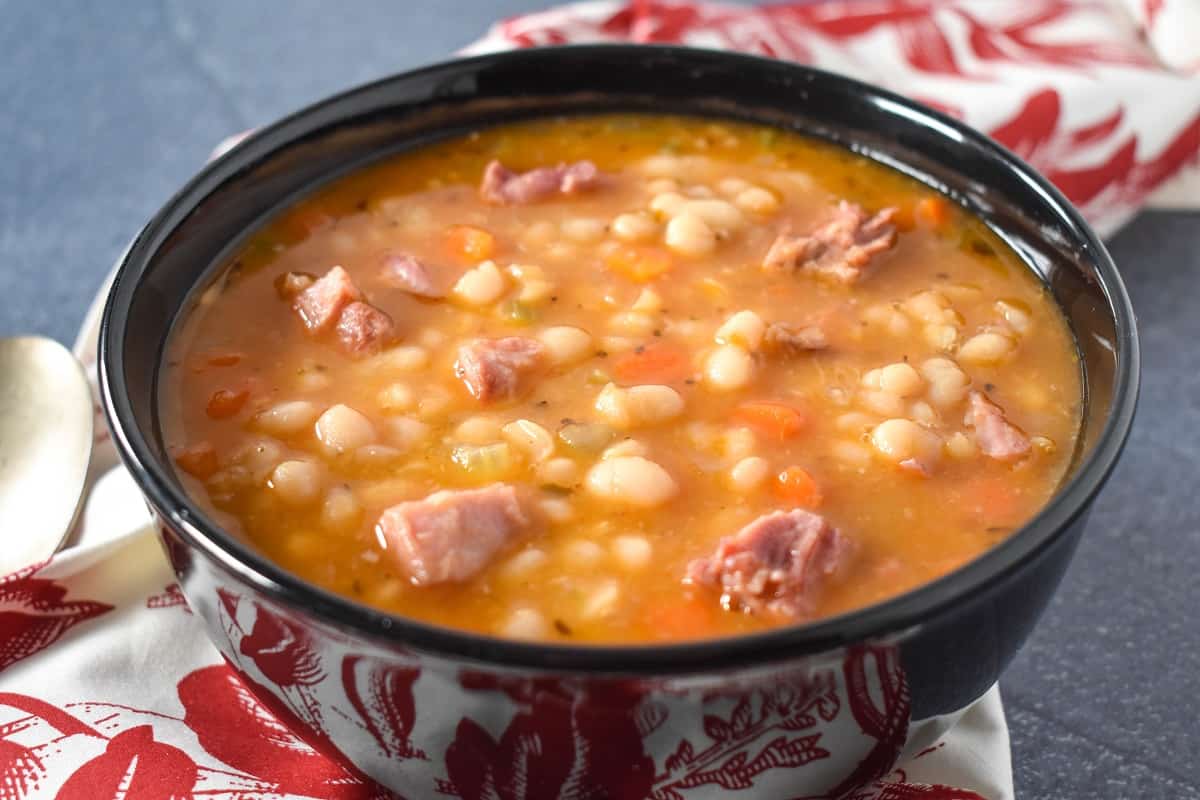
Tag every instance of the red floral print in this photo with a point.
(34, 614)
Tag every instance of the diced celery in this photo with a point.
(489, 462)
(585, 437)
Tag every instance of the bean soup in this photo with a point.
(622, 378)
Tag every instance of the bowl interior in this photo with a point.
(178, 250)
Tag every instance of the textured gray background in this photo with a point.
(106, 109)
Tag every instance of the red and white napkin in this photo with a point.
(108, 686)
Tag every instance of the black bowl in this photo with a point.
(417, 706)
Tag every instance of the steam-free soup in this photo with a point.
(623, 379)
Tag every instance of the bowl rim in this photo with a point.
(890, 619)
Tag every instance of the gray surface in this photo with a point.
(105, 113)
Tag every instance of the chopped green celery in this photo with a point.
(519, 313)
(586, 437)
(488, 462)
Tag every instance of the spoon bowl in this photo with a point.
(45, 447)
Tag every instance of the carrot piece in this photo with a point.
(933, 212)
(198, 460)
(654, 363)
(640, 264)
(993, 499)
(775, 420)
(224, 403)
(470, 243)
(691, 618)
(794, 485)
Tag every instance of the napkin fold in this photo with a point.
(108, 685)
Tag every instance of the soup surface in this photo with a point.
(622, 379)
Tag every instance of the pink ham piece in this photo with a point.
(363, 329)
(494, 369)
(403, 271)
(775, 564)
(841, 249)
(451, 535)
(322, 302)
(790, 340)
(996, 436)
(503, 187)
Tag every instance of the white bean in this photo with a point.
(406, 432)
(720, 215)
(947, 382)
(638, 405)
(901, 439)
(900, 379)
(565, 344)
(728, 368)
(851, 454)
(340, 509)
(664, 166)
(297, 483)
(667, 204)
(757, 200)
(602, 601)
(396, 397)
(732, 187)
(557, 509)
(525, 623)
(739, 443)
(744, 328)
(1018, 318)
(885, 404)
(481, 286)
(583, 230)
(635, 227)
(648, 301)
(631, 481)
(940, 336)
(985, 348)
(558, 472)
(583, 553)
(689, 235)
(632, 323)
(478, 430)
(406, 358)
(960, 446)
(530, 437)
(633, 552)
(749, 473)
(625, 447)
(341, 428)
(524, 563)
(286, 419)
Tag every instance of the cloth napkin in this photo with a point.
(108, 686)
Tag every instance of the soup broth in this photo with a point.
(622, 378)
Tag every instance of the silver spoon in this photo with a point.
(45, 447)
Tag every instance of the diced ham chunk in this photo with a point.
(994, 434)
(322, 303)
(792, 340)
(403, 271)
(841, 249)
(775, 564)
(501, 186)
(495, 369)
(452, 534)
(363, 329)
